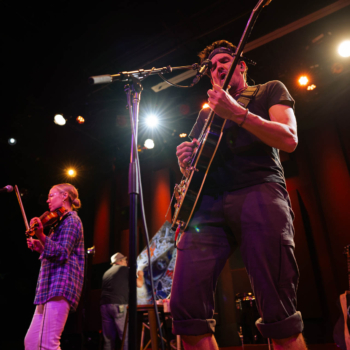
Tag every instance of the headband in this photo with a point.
(231, 53)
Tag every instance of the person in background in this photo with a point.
(115, 299)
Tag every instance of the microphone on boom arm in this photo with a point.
(206, 64)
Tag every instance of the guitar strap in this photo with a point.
(247, 95)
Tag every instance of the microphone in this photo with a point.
(206, 64)
(7, 188)
(100, 79)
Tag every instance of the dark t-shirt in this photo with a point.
(115, 285)
(243, 160)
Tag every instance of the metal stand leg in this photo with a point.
(125, 327)
(240, 333)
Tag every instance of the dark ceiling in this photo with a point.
(49, 55)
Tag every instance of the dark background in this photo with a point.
(47, 57)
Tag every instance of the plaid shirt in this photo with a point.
(62, 262)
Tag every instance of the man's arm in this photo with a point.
(279, 132)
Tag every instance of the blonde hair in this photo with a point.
(73, 195)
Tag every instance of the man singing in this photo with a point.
(244, 203)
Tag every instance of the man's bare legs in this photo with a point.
(208, 342)
(202, 342)
(295, 342)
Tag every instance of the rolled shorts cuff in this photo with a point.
(193, 327)
(282, 329)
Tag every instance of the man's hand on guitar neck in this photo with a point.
(184, 153)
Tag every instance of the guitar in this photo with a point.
(190, 187)
(341, 330)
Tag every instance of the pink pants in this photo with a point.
(47, 325)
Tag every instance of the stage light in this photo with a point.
(303, 80)
(149, 144)
(12, 141)
(80, 119)
(71, 172)
(311, 87)
(59, 119)
(152, 121)
(344, 49)
(205, 106)
(183, 135)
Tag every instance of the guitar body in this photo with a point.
(188, 191)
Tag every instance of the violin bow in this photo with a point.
(23, 212)
(22, 208)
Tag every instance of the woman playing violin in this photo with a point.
(61, 274)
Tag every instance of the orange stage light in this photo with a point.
(71, 172)
(303, 80)
(183, 135)
(80, 119)
(311, 87)
(205, 106)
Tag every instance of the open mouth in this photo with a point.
(222, 76)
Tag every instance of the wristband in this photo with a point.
(245, 117)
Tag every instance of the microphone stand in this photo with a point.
(133, 94)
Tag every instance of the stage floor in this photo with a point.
(265, 347)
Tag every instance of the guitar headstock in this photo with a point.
(261, 4)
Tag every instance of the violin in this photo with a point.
(48, 219)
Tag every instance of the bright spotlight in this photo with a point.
(182, 135)
(344, 49)
(12, 141)
(71, 172)
(303, 80)
(205, 106)
(59, 119)
(152, 121)
(149, 144)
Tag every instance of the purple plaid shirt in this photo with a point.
(62, 262)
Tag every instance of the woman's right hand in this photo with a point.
(184, 152)
(35, 244)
